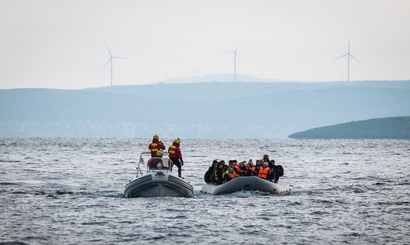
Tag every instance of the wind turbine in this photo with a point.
(348, 60)
(234, 63)
(110, 60)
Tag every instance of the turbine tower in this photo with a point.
(234, 63)
(110, 60)
(348, 60)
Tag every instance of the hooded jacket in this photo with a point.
(155, 146)
(175, 152)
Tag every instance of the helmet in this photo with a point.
(160, 153)
(156, 137)
(178, 141)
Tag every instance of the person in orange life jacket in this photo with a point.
(234, 174)
(175, 155)
(156, 163)
(271, 166)
(155, 146)
(232, 163)
(240, 168)
(265, 172)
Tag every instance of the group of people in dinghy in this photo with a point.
(220, 172)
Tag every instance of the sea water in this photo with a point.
(69, 191)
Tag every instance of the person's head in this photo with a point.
(155, 138)
(265, 164)
(160, 153)
(273, 162)
(241, 164)
(220, 165)
(177, 141)
(214, 162)
(265, 158)
(223, 162)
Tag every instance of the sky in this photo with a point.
(62, 44)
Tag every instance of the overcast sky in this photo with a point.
(61, 44)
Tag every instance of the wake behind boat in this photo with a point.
(158, 181)
(247, 183)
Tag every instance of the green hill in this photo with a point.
(381, 128)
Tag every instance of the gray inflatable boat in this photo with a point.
(247, 183)
(158, 181)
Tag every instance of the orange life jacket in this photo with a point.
(263, 173)
(238, 169)
(234, 175)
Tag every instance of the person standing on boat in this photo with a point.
(155, 146)
(176, 156)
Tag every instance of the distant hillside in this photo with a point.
(382, 128)
(197, 110)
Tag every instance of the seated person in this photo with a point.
(156, 163)
(234, 174)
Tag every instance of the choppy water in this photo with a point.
(69, 191)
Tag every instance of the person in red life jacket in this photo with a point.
(155, 146)
(176, 156)
(265, 172)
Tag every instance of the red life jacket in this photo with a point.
(175, 152)
(155, 146)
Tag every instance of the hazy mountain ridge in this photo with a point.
(229, 90)
(379, 128)
(242, 110)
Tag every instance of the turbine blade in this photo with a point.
(107, 63)
(237, 56)
(355, 59)
(108, 49)
(340, 57)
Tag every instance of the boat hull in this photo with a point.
(247, 183)
(158, 184)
